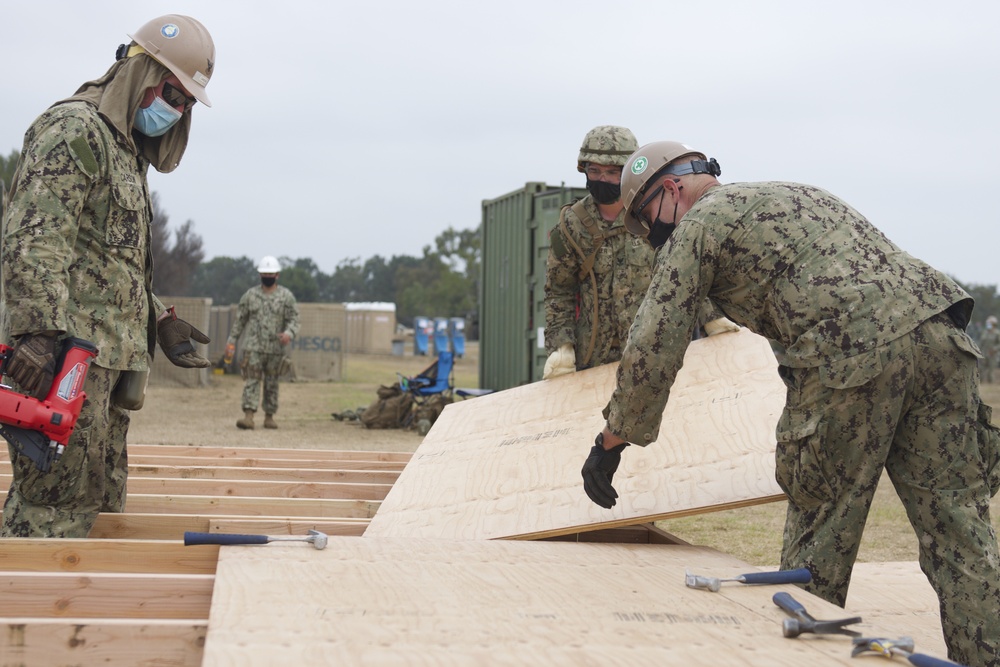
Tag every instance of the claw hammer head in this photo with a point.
(882, 646)
(318, 539)
(713, 584)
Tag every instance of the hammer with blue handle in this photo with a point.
(798, 576)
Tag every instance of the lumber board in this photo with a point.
(508, 464)
(106, 642)
(24, 554)
(253, 488)
(106, 595)
(364, 601)
(301, 507)
(270, 474)
(208, 452)
(134, 526)
(294, 464)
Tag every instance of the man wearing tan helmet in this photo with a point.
(596, 274)
(872, 347)
(77, 263)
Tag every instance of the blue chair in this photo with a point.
(435, 379)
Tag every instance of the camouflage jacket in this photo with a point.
(622, 268)
(76, 242)
(792, 263)
(261, 317)
(989, 341)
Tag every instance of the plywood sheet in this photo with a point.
(373, 601)
(508, 464)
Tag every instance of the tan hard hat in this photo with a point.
(182, 45)
(606, 144)
(639, 170)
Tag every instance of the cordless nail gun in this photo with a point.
(40, 428)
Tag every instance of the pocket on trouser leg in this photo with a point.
(988, 437)
(800, 468)
(64, 484)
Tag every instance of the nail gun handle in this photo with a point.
(790, 605)
(799, 576)
(192, 539)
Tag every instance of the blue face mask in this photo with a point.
(157, 118)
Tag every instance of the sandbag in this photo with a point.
(392, 409)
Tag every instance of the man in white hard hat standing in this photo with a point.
(269, 316)
(77, 263)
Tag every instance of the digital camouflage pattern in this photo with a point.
(877, 375)
(76, 259)
(607, 145)
(260, 318)
(623, 269)
(76, 247)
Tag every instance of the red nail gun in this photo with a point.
(40, 428)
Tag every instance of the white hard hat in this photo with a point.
(269, 265)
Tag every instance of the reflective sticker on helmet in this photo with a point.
(200, 78)
(639, 165)
(170, 31)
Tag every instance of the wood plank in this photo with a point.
(270, 474)
(106, 642)
(127, 525)
(439, 602)
(299, 507)
(253, 488)
(90, 555)
(106, 595)
(294, 464)
(207, 451)
(508, 464)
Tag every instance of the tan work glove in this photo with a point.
(32, 364)
(721, 325)
(175, 336)
(560, 362)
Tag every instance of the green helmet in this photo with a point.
(606, 144)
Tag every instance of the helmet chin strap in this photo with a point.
(696, 167)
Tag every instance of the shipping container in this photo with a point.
(371, 327)
(515, 243)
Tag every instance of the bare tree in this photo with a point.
(174, 265)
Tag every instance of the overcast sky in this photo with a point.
(347, 130)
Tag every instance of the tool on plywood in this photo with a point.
(714, 584)
(315, 537)
(801, 622)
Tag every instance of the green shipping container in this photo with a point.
(515, 243)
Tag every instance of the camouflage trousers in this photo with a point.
(912, 408)
(89, 477)
(261, 368)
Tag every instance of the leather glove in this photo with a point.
(560, 362)
(230, 353)
(174, 336)
(599, 469)
(721, 325)
(32, 364)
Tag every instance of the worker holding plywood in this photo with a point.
(872, 348)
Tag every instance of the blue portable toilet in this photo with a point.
(457, 326)
(441, 335)
(422, 329)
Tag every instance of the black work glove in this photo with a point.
(174, 336)
(599, 469)
(32, 364)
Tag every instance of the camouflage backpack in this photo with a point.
(392, 409)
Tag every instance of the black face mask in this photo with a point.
(268, 280)
(659, 233)
(604, 193)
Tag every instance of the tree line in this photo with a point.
(442, 282)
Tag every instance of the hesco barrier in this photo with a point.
(515, 244)
(317, 352)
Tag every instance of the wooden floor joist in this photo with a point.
(91, 555)
(129, 525)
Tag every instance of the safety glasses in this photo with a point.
(175, 97)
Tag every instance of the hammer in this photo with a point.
(317, 538)
(902, 646)
(799, 576)
(803, 622)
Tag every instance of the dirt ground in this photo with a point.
(207, 415)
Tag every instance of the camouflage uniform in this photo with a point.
(989, 341)
(262, 317)
(76, 259)
(879, 374)
(622, 268)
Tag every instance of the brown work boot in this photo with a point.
(269, 421)
(247, 422)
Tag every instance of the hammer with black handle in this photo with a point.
(317, 539)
